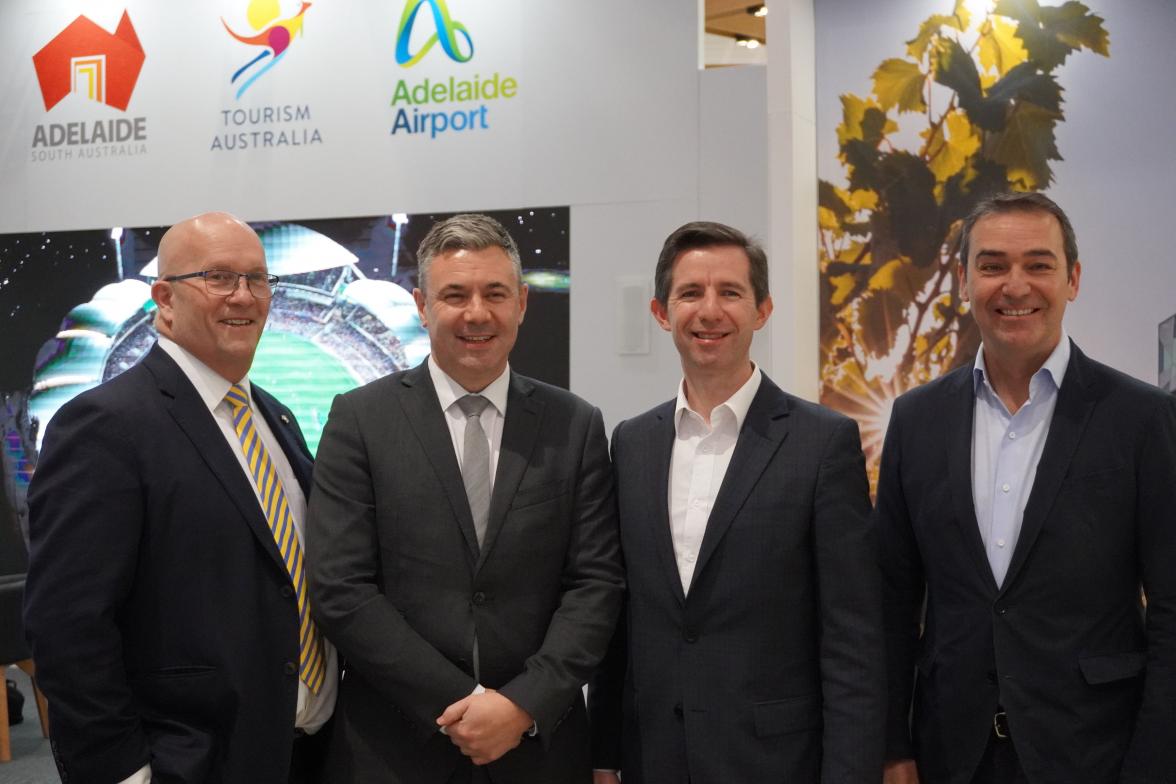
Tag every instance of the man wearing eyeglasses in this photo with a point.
(165, 600)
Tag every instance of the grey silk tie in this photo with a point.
(475, 462)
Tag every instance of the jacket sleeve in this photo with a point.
(1151, 757)
(903, 589)
(853, 685)
(85, 524)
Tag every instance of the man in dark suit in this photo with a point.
(752, 645)
(1024, 501)
(171, 635)
(463, 544)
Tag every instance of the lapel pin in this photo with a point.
(285, 419)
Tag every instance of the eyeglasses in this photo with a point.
(224, 282)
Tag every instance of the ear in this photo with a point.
(418, 297)
(962, 275)
(762, 311)
(523, 301)
(660, 313)
(1075, 278)
(162, 294)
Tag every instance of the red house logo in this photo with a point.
(85, 59)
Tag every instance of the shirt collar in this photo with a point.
(210, 385)
(1054, 367)
(448, 390)
(738, 404)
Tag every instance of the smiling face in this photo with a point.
(472, 308)
(221, 331)
(1018, 286)
(711, 311)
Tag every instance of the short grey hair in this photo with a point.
(1027, 201)
(468, 231)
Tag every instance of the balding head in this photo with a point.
(221, 331)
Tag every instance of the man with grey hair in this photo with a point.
(464, 547)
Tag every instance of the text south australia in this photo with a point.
(442, 105)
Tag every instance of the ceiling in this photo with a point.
(730, 18)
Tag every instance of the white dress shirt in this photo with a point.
(313, 710)
(1006, 449)
(492, 417)
(698, 463)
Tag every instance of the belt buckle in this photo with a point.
(1000, 725)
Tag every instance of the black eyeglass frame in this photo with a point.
(271, 281)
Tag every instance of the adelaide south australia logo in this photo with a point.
(434, 107)
(85, 64)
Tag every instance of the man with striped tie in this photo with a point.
(166, 598)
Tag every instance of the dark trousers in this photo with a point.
(1000, 764)
(308, 760)
(468, 773)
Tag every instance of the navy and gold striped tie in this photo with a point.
(312, 665)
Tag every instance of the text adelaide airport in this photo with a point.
(440, 106)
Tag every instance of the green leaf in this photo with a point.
(917, 46)
(951, 145)
(956, 70)
(908, 193)
(880, 315)
(1051, 33)
(1026, 83)
(1000, 49)
(899, 83)
(1026, 146)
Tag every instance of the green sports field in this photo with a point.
(302, 376)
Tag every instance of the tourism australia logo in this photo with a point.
(96, 66)
(269, 28)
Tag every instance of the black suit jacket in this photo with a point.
(769, 669)
(399, 584)
(162, 618)
(1089, 685)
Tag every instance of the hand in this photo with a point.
(602, 777)
(485, 726)
(900, 772)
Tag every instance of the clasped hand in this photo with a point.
(485, 726)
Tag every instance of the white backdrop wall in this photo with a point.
(606, 119)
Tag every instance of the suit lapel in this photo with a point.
(285, 429)
(764, 430)
(961, 410)
(524, 413)
(662, 447)
(422, 411)
(1071, 413)
(185, 406)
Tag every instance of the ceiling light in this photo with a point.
(757, 10)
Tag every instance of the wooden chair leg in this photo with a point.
(42, 706)
(5, 743)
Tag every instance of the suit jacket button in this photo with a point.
(479, 599)
(690, 636)
(287, 591)
(992, 676)
(291, 668)
(678, 710)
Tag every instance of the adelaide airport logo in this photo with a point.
(440, 106)
(445, 32)
(271, 34)
(87, 61)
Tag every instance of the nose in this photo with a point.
(241, 291)
(476, 309)
(1016, 284)
(709, 306)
